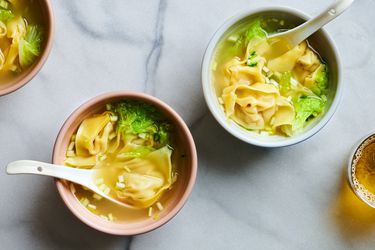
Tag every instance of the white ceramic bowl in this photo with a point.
(320, 41)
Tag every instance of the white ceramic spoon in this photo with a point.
(80, 176)
(284, 41)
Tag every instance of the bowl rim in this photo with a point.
(190, 146)
(207, 90)
(43, 57)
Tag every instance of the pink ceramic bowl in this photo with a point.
(178, 196)
(26, 75)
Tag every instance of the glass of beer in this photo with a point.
(361, 170)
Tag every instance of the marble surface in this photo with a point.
(245, 197)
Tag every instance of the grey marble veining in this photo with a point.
(245, 197)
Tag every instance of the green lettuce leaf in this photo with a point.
(254, 31)
(5, 15)
(136, 153)
(138, 118)
(306, 108)
(321, 80)
(30, 46)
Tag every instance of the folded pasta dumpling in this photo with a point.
(258, 106)
(318, 80)
(287, 61)
(309, 60)
(92, 135)
(16, 28)
(306, 65)
(147, 178)
(237, 71)
(284, 117)
(81, 162)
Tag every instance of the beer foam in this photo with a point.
(363, 192)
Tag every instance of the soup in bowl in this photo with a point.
(264, 98)
(26, 30)
(144, 155)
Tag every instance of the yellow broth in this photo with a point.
(224, 51)
(263, 91)
(109, 167)
(31, 11)
(110, 175)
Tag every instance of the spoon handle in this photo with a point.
(314, 24)
(79, 176)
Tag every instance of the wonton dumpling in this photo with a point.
(92, 138)
(284, 116)
(251, 98)
(309, 60)
(148, 178)
(287, 61)
(81, 162)
(114, 143)
(16, 29)
(237, 71)
(102, 140)
(310, 80)
(89, 140)
(11, 55)
(306, 64)
(257, 106)
(262, 48)
(248, 118)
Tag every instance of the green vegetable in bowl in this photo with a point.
(136, 153)
(143, 120)
(254, 31)
(252, 60)
(21, 36)
(318, 82)
(29, 47)
(306, 108)
(5, 14)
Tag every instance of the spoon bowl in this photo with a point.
(84, 177)
(280, 43)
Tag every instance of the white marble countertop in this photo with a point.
(245, 197)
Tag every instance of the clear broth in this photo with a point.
(224, 51)
(104, 207)
(32, 12)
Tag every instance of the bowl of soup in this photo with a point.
(26, 33)
(263, 98)
(145, 156)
